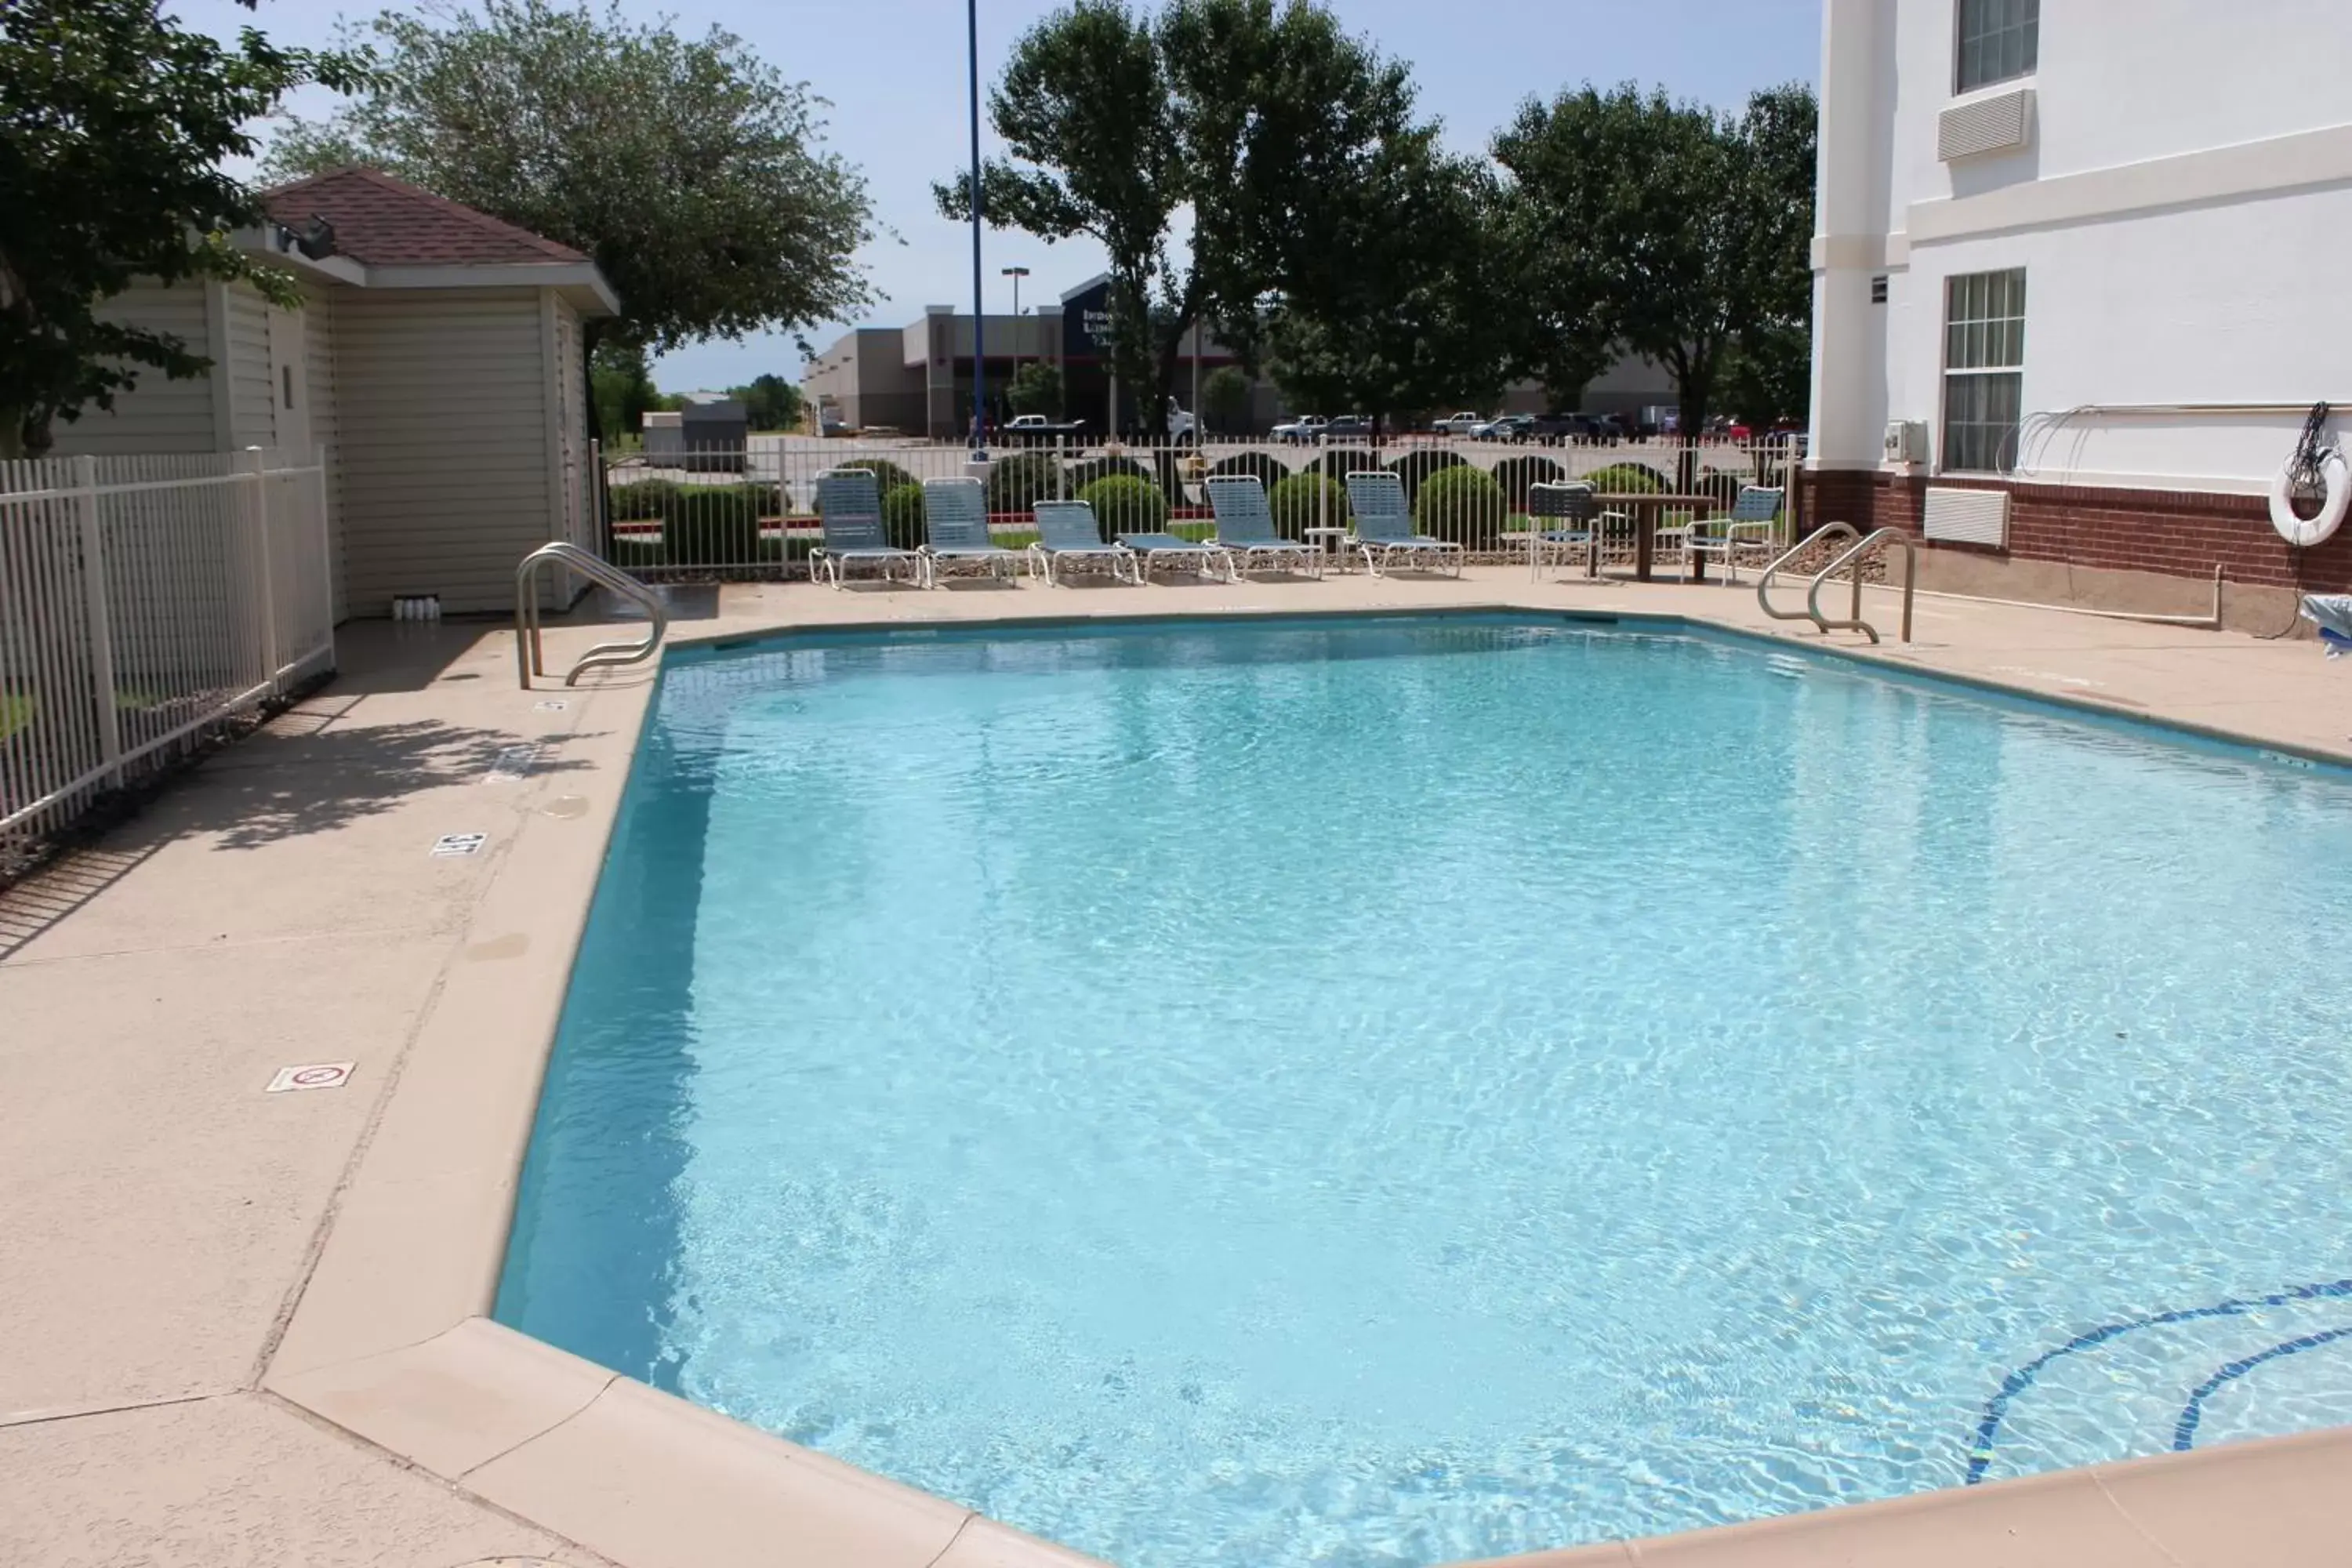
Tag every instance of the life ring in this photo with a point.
(2304, 531)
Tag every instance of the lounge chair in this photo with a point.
(955, 528)
(1150, 550)
(849, 510)
(1748, 526)
(1579, 526)
(1245, 531)
(1067, 531)
(1384, 529)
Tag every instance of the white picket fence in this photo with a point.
(144, 601)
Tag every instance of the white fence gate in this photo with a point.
(143, 600)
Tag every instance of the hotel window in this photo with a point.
(1984, 359)
(1998, 39)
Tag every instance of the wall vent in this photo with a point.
(1967, 517)
(1995, 122)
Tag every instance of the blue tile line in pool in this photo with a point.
(1997, 1408)
(2184, 1432)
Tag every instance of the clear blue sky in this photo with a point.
(895, 72)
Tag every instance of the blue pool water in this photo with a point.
(1387, 1092)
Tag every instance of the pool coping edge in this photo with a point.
(391, 1338)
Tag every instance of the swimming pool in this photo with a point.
(1390, 1091)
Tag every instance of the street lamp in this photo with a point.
(1016, 274)
(979, 315)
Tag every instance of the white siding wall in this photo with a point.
(158, 415)
(253, 396)
(572, 397)
(319, 373)
(441, 402)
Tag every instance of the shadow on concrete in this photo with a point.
(32, 906)
(271, 790)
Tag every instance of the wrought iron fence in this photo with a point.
(750, 512)
(144, 600)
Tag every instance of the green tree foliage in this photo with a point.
(1225, 399)
(1118, 119)
(117, 121)
(623, 387)
(770, 402)
(693, 172)
(1402, 305)
(1036, 388)
(1665, 228)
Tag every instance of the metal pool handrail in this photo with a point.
(528, 659)
(1764, 583)
(1853, 621)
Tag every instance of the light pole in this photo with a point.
(1016, 274)
(978, 309)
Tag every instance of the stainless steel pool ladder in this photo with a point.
(1851, 556)
(528, 659)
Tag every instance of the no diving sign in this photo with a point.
(318, 1074)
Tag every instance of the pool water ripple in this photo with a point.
(1380, 1093)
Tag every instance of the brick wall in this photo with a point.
(2180, 533)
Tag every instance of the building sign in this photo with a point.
(1086, 323)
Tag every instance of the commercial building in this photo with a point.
(2077, 282)
(917, 379)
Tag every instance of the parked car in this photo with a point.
(1461, 424)
(1302, 430)
(1346, 427)
(1499, 428)
(1036, 430)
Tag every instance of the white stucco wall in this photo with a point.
(2179, 213)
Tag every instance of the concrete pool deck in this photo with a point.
(249, 1327)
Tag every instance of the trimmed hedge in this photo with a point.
(1627, 478)
(1265, 465)
(702, 525)
(1126, 503)
(1463, 504)
(1342, 462)
(1083, 476)
(1416, 466)
(640, 501)
(1518, 476)
(1020, 482)
(887, 475)
(1307, 501)
(902, 515)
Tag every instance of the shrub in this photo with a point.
(1416, 466)
(1463, 504)
(902, 515)
(1342, 462)
(1627, 478)
(713, 525)
(1720, 488)
(887, 475)
(1126, 503)
(640, 501)
(1265, 465)
(1083, 475)
(1307, 501)
(1518, 476)
(1020, 482)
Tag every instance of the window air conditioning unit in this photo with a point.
(1906, 441)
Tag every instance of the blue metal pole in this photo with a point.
(979, 306)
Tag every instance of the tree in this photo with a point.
(690, 170)
(1117, 120)
(118, 118)
(1036, 388)
(1226, 397)
(1398, 310)
(622, 388)
(770, 402)
(1686, 231)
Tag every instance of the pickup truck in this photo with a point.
(1036, 430)
(1461, 424)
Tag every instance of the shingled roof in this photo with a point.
(383, 222)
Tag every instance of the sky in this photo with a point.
(896, 75)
